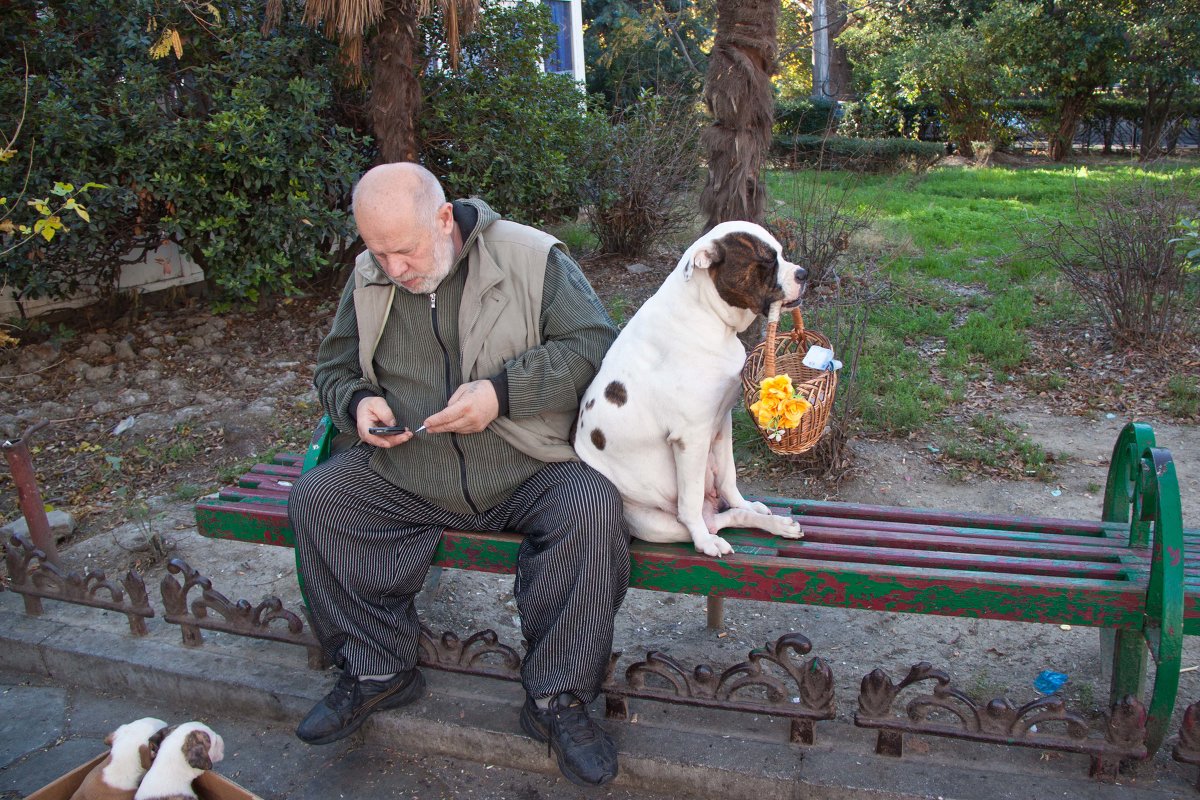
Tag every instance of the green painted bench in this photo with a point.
(1123, 574)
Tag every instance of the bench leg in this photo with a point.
(1129, 656)
(716, 613)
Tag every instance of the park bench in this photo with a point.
(1123, 574)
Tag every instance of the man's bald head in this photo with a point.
(402, 190)
(407, 225)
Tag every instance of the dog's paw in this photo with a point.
(785, 528)
(713, 546)
(757, 508)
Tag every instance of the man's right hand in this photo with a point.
(374, 412)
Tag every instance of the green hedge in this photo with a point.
(804, 117)
(858, 155)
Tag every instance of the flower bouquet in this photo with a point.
(779, 407)
(788, 400)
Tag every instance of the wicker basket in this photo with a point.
(784, 353)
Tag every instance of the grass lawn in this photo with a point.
(965, 298)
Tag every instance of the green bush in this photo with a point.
(647, 162)
(804, 117)
(501, 128)
(858, 155)
(228, 146)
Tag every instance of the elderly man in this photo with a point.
(485, 333)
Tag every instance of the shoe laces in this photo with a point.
(572, 719)
(342, 694)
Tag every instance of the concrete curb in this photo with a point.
(669, 751)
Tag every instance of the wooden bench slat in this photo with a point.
(940, 559)
(273, 484)
(1097, 551)
(245, 494)
(966, 519)
(285, 471)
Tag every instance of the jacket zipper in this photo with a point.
(462, 461)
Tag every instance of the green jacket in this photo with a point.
(515, 306)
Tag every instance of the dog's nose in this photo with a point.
(801, 274)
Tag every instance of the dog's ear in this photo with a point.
(713, 252)
(149, 751)
(195, 750)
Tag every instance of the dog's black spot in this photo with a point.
(590, 403)
(598, 439)
(615, 393)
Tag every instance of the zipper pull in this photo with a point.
(433, 300)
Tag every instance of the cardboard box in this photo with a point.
(209, 786)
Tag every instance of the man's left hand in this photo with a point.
(471, 408)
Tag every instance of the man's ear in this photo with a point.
(445, 218)
(711, 253)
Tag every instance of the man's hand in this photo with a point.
(472, 407)
(374, 412)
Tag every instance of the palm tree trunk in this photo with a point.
(395, 81)
(738, 93)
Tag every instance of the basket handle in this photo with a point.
(772, 328)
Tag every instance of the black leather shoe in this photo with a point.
(351, 701)
(586, 753)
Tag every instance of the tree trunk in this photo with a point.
(1154, 121)
(738, 94)
(395, 84)
(1068, 120)
(840, 75)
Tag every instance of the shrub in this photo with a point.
(859, 155)
(650, 158)
(805, 117)
(1124, 258)
(500, 127)
(815, 225)
(228, 146)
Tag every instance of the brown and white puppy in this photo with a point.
(132, 748)
(188, 750)
(656, 420)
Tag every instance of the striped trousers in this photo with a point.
(364, 548)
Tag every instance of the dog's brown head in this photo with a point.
(747, 267)
(149, 750)
(198, 745)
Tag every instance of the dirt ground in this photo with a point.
(210, 392)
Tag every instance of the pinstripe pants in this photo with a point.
(364, 547)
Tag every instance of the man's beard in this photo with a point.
(443, 259)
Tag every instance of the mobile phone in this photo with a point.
(390, 430)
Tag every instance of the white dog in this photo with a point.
(133, 747)
(188, 750)
(656, 420)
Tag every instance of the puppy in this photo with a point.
(132, 748)
(656, 420)
(188, 750)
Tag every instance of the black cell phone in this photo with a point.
(390, 430)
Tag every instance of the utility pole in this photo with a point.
(820, 50)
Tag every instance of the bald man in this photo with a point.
(485, 333)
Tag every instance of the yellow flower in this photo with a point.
(765, 412)
(778, 388)
(792, 410)
(779, 406)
